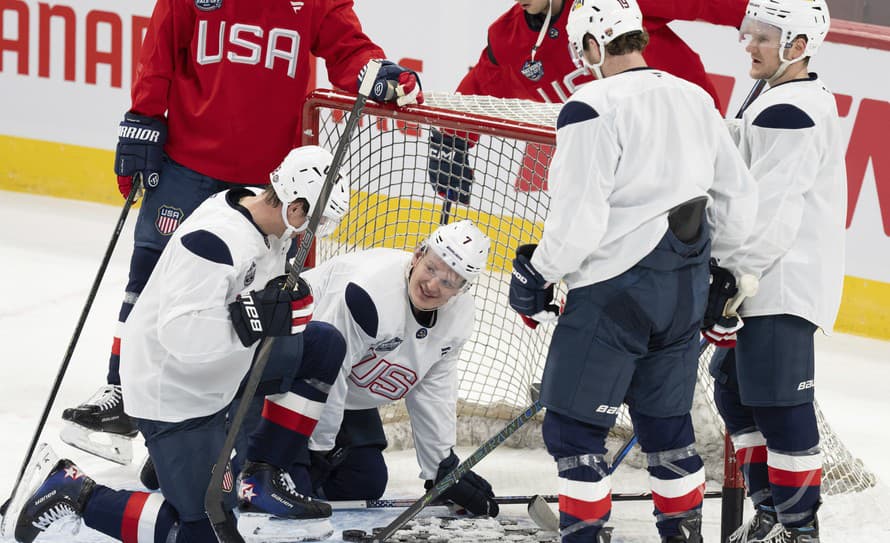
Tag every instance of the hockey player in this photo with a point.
(791, 139)
(189, 342)
(405, 318)
(526, 58)
(217, 80)
(629, 232)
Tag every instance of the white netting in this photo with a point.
(394, 205)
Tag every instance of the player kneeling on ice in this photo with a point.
(635, 214)
(405, 318)
(189, 342)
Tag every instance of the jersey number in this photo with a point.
(382, 377)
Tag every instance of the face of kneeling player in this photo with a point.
(432, 282)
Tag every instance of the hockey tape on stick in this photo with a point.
(226, 531)
(747, 287)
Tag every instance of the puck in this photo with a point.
(354, 536)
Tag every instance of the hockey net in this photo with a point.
(394, 205)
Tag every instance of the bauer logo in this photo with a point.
(387, 345)
(607, 409)
(208, 5)
(169, 218)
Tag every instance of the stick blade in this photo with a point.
(539, 511)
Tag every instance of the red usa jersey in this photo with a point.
(389, 354)
(231, 77)
(499, 71)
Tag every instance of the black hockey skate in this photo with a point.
(690, 531)
(808, 533)
(756, 529)
(99, 426)
(266, 489)
(62, 496)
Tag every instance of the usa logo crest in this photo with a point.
(421, 333)
(228, 482)
(169, 218)
(208, 5)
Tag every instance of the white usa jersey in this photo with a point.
(389, 355)
(629, 148)
(791, 139)
(180, 355)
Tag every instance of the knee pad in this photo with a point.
(324, 349)
(565, 436)
(789, 429)
(142, 263)
(361, 476)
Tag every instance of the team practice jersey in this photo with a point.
(499, 70)
(180, 355)
(790, 137)
(612, 183)
(206, 66)
(389, 355)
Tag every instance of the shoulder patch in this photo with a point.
(784, 116)
(575, 112)
(207, 245)
(362, 308)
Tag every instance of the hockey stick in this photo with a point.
(755, 91)
(452, 478)
(223, 526)
(69, 352)
(395, 503)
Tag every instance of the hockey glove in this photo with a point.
(272, 311)
(530, 295)
(394, 83)
(471, 492)
(718, 327)
(324, 463)
(449, 167)
(140, 149)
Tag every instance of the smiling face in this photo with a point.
(432, 282)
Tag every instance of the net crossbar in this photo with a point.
(394, 205)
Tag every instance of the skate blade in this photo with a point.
(259, 528)
(112, 447)
(42, 462)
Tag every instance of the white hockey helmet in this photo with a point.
(301, 175)
(788, 19)
(605, 20)
(462, 246)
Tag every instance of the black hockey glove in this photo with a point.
(471, 492)
(718, 328)
(140, 149)
(272, 311)
(528, 295)
(324, 463)
(449, 168)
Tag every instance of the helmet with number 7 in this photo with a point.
(301, 175)
(605, 20)
(793, 18)
(462, 246)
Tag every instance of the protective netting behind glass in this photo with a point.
(394, 205)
